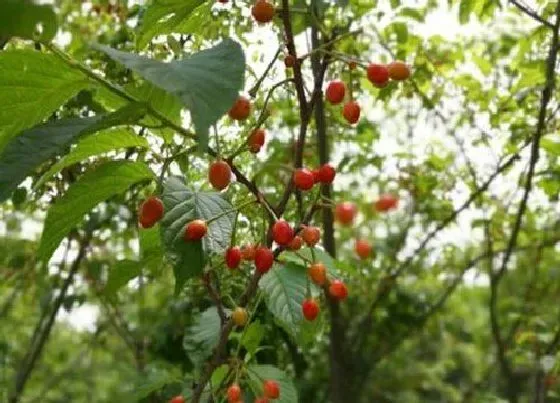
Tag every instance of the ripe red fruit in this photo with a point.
(378, 74)
(345, 213)
(335, 92)
(351, 112)
(271, 389)
(318, 273)
(398, 70)
(256, 140)
(315, 173)
(303, 179)
(264, 258)
(233, 393)
(363, 248)
(241, 109)
(310, 309)
(282, 233)
(386, 202)
(296, 243)
(219, 175)
(262, 11)
(195, 230)
(289, 61)
(311, 235)
(261, 400)
(338, 290)
(177, 399)
(326, 174)
(150, 212)
(233, 257)
(248, 252)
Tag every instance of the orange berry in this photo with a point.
(234, 393)
(311, 235)
(240, 316)
(177, 399)
(289, 61)
(195, 230)
(256, 140)
(378, 74)
(363, 248)
(386, 202)
(219, 175)
(351, 112)
(296, 243)
(345, 212)
(271, 389)
(263, 11)
(248, 252)
(318, 273)
(398, 70)
(338, 290)
(241, 109)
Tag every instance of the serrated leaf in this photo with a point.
(94, 145)
(259, 373)
(22, 17)
(26, 152)
(207, 82)
(94, 187)
(120, 274)
(252, 337)
(32, 86)
(182, 206)
(203, 335)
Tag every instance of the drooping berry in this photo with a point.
(248, 252)
(233, 393)
(264, 259)
(315, 173)
(296, 243)
(378, 74)
(282, 233)
(290, 61)
(345, 213)
(219, 175)
(150, 212)
(256, 140)
(233, 257)
(386, 202)
(177, 399)
(363, 248)
(241, 109)
(263, 11)
(318, 273)
(311, 235)
(326, 174)
(310, 309)
(398, 70)
(239, 316)
(338, 290)
(335, 92)
(195, 230)
(271, 389)
(303, 179)
(351, 112)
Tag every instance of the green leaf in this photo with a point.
(32, 86)
(466, 7)
(165, 17)
(182, 206)
(151, 249)
(94, 187)
(22, 17)
(401, 30)
(120, 274)
(208, 82)
(94, 145)
(253, 337)
(259, 373)
(201, 338)
(412, 13)
(25, 153)
(551, 146)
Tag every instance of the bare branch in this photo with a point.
(531, 13)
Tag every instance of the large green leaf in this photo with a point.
(32, 86)
(164, 17)
(96, 144)
(201, 338)
(120, 274)
(151, 249)
(253, 336)
(94, 187)
(208, 82)
(182, 206)
(28, 151)
(21, 18)
(259, 373)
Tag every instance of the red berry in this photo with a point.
(177, 399)
(363, 248)
(223, 1)
(311, 235)
(233, 393)
(296, 243)
(326, 174)
(263, 11)
(386, 202)
(338, 290)
(241, 109)
(219, 175)
(289, 61)
(256, 140)
(335, 92)
(271, 389)
(345, 213)
(303, 179)
(264, 258)
(261, 400)
(150, 212)
(351, 112)
(233, 257)
(310, 309)
(378, 74)
(318, 273)
(195, 230)
(398, 70)
(248, 252)
(282, 233)
(316, 178)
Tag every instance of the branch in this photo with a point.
(531, 13)
(215, 297)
